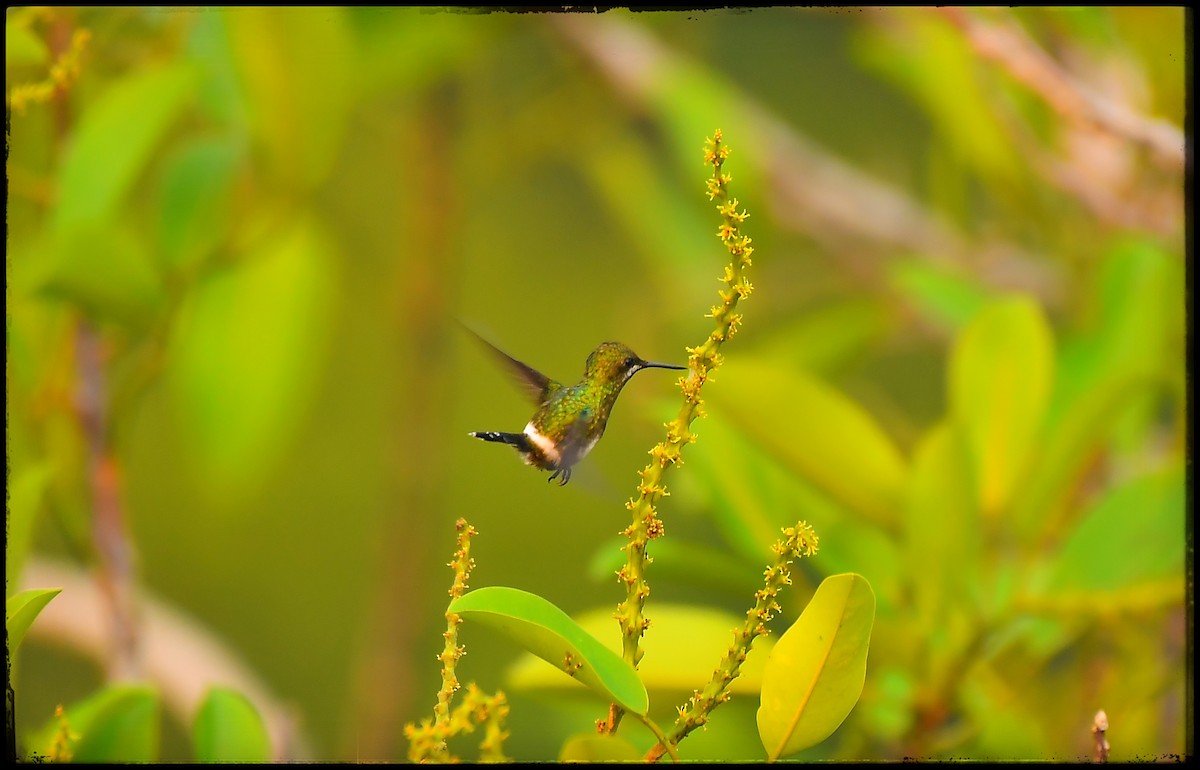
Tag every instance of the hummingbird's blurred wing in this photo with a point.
(533, 382)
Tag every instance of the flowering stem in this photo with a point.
(427, 741)
(798, 541)
(702, 361)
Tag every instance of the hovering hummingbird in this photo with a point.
(570, 419)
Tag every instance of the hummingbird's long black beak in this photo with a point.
(655, 365)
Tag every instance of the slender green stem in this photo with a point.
(663, 740)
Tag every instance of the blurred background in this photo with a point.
(238, 400)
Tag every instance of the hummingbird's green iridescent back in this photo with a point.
(570, 419)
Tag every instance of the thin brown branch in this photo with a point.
(115, 573)
(1010, 47)
(1099, 728)
(809, 190)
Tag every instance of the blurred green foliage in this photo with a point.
(963, 364)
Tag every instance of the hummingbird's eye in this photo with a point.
(629, 362)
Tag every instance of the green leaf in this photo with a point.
(546, 631)
(1127, 350)
(742, 487)
(1131, 539)
(21, 610)
(247, 351)
(114, 139)
(115, 724)
(22, 46)
(816, 672)
(195, 200)
(228, 728)
(942, 540)
(297, 71)
(817, 432)
(825, 339)
(590, 747)
(26, 490)
(946, 298)
(104, 269)
(1001, 370)
(685, 563)
(682, 649)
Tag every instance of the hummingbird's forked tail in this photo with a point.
(519, 440)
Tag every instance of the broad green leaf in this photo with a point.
(1126, 350)
(816, 672)
(682, 649)
(1132, 539)
(22, 46)
(26, 490)
(1074, 440)
(114, 139)
(741, 487)
(104, 269)
(546, 631)
(948, 299)
(21, 610)
(228, 728)
(942, 539)
(825, 339)
(685, 563)
(1001, 370)
(247, 352)
(1127, 328)
(877, 556)
(195, 200)
(751, 496)
(297, 72)
(119, 723)
(817, 432)
(590, 747)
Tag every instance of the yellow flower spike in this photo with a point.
(427, 743)
(702, 361)
(702, 703)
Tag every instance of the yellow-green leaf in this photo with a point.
(22, 46)
(297, 71)
(591, 747)
(228, 728)
(1001, 370)
(247, 352)
(21, 610)
(941, 524)
(105, 269)
(114, 139)
(817, 431)
(27, 488)
(1131, 540)
(118, 723)
(547, 632)
(684, 646)
(816, 672)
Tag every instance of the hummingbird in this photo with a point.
(570, 419)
